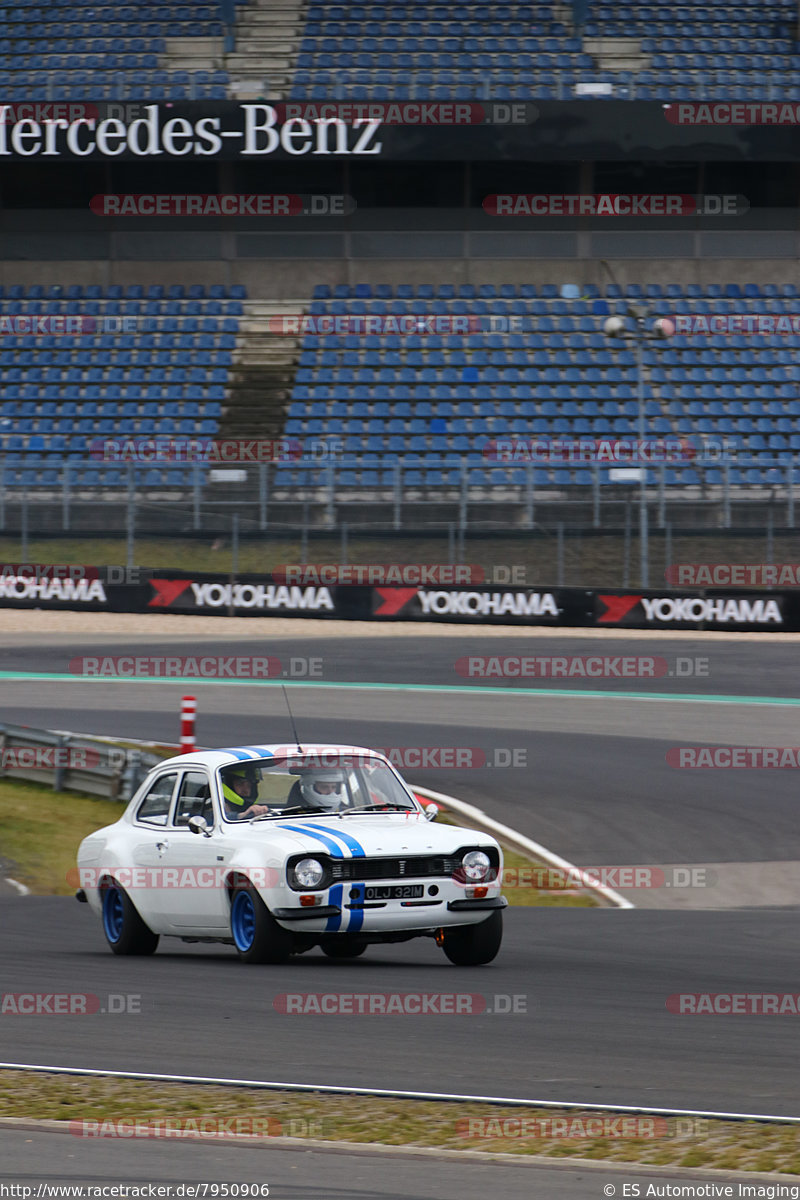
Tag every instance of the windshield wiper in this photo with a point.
(376, 808)
(285, 812)
(315, 812)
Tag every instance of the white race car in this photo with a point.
(276, 850)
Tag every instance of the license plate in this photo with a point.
(401, 891)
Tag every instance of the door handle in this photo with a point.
(162, 846)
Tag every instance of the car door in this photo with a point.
(150, 835)
(194, 864)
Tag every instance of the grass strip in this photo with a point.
(173, 1108)
(40, 831)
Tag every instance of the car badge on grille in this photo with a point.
(401, 866)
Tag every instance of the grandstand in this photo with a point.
(380, 51)
(426, 402)
(414, 411)
(56, 51)
(438, 399)
(63, 392)
(526, 51)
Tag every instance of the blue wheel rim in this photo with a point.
(113, 914)
(243, 920)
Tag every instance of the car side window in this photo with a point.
(194, 799)
(154, 808)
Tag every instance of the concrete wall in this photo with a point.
(292, 279)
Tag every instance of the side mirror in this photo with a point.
(199, 825)
(431, 811)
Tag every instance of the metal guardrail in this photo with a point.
(74, 762)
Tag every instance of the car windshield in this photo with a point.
(311, 784)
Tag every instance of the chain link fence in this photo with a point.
(247, 520)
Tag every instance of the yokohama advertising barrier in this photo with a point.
(720, 609)
(118, 589)
(115, 589)
(663, 609)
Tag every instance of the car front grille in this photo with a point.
(414, 867)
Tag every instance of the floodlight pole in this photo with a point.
(638, 336)
(643, 530)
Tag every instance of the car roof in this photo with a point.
(251, 753)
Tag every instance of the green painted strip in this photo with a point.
(432, 688)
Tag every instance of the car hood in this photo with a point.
(369, 836)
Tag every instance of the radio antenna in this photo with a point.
(291, 718)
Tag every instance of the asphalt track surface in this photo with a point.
(596, 789)
(595, 1027)
(33, 1158)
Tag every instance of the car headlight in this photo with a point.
(308, 873)
(476, 865)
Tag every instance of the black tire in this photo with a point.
(256, 934)
(474, 945)
(343, 947)
(126, 932)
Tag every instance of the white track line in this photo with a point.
(525, 845)
(20, 887)
(389, 1093)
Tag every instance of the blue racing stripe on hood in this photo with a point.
(355, 848)
(334, 847)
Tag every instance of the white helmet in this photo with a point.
(328, 800)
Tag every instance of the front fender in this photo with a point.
(265, 872)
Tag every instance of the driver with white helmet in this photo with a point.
(322, 790)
